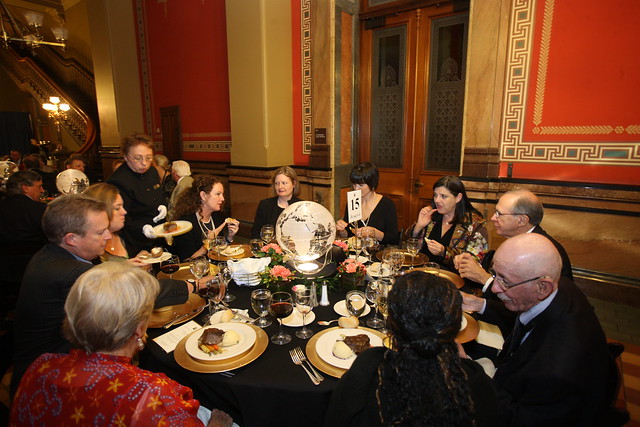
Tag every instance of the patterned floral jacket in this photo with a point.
(471, 236)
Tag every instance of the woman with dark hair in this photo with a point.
(286, 186)
(450, 225)
(201, 205)
(423, 382)
(379, 217)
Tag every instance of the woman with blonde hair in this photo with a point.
(286, 187)
(107, 313)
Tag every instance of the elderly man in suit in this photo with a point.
(181, 174)
(554, 366)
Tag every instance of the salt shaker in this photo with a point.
(324, 298)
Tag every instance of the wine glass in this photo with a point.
(217, 289)
(260, 299)
(370, 243)
(372, 295)
(280, 306)
(413, 246)
(396, 259)
(356, 244)
(207, 242)
(267, 232)
(356, 302)
(199, 267)
(434, 266)
(302, 299)
(170, 265)
(220, 244)
(226, 277)
(381, 302)
(256, 245)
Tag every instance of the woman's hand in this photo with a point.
(434, 247)
(341, 228)
(424, 218)
(233, 225)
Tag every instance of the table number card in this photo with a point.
(354, 206)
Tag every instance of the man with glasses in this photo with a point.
(517, 212)
(139, 186)
(554, 366)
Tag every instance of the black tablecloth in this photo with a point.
(270, 391)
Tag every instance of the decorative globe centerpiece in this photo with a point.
(306, 231)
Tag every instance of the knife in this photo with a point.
(182, 317)
(242, 316)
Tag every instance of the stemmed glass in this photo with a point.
(280, 306)
(226, 277)
(260, 299)
(215, 291)
(170, 265)
(357, 246)
(413, 246)
(355, 301)
(302, 299)
(220, 244)
(372, 295)
(199, 267)
(267, 232)
(207, 242)
(381, 303)
(396, 260)
(256, 245)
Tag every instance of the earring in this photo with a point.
(140, 344)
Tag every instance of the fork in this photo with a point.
(297, 361)
(302, 357)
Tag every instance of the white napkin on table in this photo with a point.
(245, 271)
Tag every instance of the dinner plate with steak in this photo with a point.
(220, 341)
(339, 347)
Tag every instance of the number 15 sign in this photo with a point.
(354, 205)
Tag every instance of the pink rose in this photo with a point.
(341, 244)
(273, 246)
(281, 272)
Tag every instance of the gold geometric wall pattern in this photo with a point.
(514, 146)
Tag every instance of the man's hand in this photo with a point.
(469, 268)
(471, 303)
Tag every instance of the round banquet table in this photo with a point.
(271, 390)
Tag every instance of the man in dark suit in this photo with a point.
(553, 368)
(517, 212)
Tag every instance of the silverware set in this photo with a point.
(298, 357)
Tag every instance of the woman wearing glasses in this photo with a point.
(450, 225)
(139, 186)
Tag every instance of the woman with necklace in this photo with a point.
(450, 225)
(201, 205)
(285, 186)
(379, 216)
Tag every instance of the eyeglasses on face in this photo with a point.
(505, 285)
(498, 214)
(139, 159)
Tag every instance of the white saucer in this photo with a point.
(295, 319)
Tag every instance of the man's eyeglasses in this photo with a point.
(504, 285)
(139, 159)
(499, 214)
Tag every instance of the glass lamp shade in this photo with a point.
(34, 18)
(60, 33)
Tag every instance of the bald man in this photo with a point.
(517, 212)
(553, 368)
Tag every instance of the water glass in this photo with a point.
(302, 299)
(260, 303)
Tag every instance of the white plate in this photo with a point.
(361, 259)
(374, 269)
(324, 345)
(232, 251)
(183, 227)
(295, 319)
(247, 339)
(165, 256)
(341, 308)
(463, 324)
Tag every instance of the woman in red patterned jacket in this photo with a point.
(107, 312)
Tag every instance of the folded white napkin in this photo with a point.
(489, 335)
(245, 271)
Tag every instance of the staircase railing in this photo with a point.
(28, 76)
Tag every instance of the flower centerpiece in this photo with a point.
(274, 251)
(342, 244)
(351, 274)
(277, 278)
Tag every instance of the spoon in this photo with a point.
(326, 323)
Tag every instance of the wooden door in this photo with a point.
(411, 103)
(171, 132)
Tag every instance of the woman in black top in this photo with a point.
(423, 382)
(378, 212)
(285, 185)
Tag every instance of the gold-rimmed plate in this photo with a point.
(246, 334)
(186, 361)
(194, 305)
(319, 363)
(470, 332)
(184, 273)
(451, 276)
(408, 261)
(233, 254)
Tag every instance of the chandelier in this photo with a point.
(14, 30)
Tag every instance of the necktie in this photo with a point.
(514, 340)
